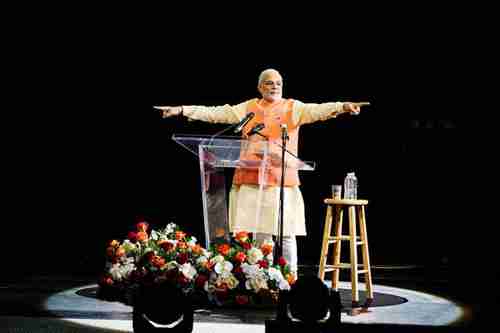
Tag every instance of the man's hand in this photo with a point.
(353, 108)
(169, 111)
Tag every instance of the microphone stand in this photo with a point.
(289, 152)
(279, 253)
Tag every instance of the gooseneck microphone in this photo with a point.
(256, 129)
(284, 132)
(243, 122)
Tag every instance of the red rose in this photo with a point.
(182, 258)
(200, 281)
(247, 246)
(149, 256)
(241, 299)
(157, 261)
(282, 261)
(142, 226)
(167, 246)
(240, 257)
(263, 264)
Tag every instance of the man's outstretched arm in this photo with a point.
(225, 114)
(306, 113)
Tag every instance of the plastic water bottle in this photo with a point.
(350, 186)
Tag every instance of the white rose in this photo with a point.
(223, 267)
(254, 255)
(170, 228)
(172, 264)
(250, 271)
(192, 241)
(231, 281)
(275, 274)
(201, 260)
(188, 270)
(257, 284)
(218, 259)
(284, 285)
(115, 272)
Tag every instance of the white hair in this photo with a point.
(265, 73)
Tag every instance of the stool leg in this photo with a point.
(337, 246)
(324, 247)
(354, 256)
(366, 254)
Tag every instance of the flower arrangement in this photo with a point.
(234, 273)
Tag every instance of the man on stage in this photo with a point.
(276, 113)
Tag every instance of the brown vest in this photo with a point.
(272, 117)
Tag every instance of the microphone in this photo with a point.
(284, 131)
(256, 129)
(243, 122)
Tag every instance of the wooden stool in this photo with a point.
(352, 205)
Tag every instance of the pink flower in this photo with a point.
(132, 236)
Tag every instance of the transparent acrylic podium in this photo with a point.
(220, 153)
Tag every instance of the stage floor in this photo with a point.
(71, 306)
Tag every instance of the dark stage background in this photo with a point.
(89, 154)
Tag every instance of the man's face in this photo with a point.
(271, 88)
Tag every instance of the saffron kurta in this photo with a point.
(244, 192)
